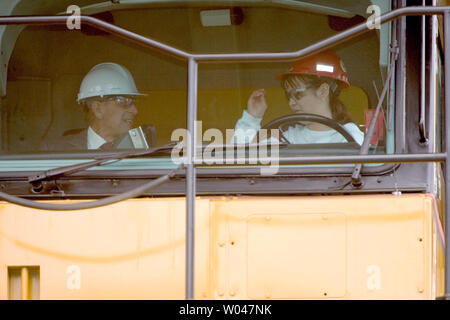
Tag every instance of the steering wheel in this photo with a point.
(293, 119)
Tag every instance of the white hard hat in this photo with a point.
(106, 79)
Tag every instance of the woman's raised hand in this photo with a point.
(256, 104)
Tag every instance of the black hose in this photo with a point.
(91, 204)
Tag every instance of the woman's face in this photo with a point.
(304, 99)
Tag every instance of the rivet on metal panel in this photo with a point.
(268, 218)
(420, 239)
(268, 295)
(115, 183)
(221, 244)
(420, 290)
(232, 293)
(232, 243)
(220, 293)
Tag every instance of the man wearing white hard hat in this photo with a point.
(108, 94)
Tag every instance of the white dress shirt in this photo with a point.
(94, 141)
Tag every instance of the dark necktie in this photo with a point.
(107, 146)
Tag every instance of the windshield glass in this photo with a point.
(74, 94)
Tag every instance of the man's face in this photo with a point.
(116, 116)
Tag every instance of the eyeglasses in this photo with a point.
(296, 93)
(124, 102)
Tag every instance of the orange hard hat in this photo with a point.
(323, 64)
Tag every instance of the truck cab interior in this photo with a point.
(45, 64)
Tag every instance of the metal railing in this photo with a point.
(194, 59)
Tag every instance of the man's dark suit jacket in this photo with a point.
(71, 141)
(76, 139)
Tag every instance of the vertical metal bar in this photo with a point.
(24, 283)
(432, 100)
(447, 148)
(391, 85)
(356, 175)
(422, 125)
(191, 175)
(400, 88)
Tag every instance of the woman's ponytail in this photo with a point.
(339, 111)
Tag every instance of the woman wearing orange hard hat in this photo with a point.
(312, 86)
